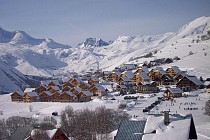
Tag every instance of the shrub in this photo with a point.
(207, 108)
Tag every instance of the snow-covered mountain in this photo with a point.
(44, 57)
(11, 79)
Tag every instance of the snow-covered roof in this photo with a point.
(51, 133)
(176, 69)
(32, 94)
(87, 93)
(48, 93)
(128, 74)
(56, 82)
(45, 82)
(144, 75)
(55, 88)
(207, 83)
(29, 89)
(117, 73)
(95, 78)
(195, 80)
(101, 88)
(78, 89)
(145, 69)
(178, 128)
(69, 93)
(122, 86)
(126, 79)
(175, 90)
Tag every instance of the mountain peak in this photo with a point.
(93, 42)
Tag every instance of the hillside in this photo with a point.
(45, 57)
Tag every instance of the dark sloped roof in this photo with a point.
(21, 133)
(131, 130)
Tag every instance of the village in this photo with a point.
(127, 79)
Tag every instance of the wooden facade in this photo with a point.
(45, 96)
(40, 89)
(30, 97)
(67, 96)
(93, 80)
(171, 93)
(173, 71)
(189, 83)
(16, 96)
(113, 77)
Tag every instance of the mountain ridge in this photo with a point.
(44, 57)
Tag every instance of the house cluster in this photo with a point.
(127, 78)
(70, 90)
(158, 126)
(143, 80)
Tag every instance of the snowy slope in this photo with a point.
(11, 79)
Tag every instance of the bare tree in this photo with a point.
(207, 108)
(39, 134)
(4, 132)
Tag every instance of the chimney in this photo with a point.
(166, 117)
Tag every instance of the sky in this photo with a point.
(72, 21)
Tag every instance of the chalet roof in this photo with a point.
(176, 69)
(122, 86)
(181, 125)
(145, 69)
(21, 133)
(126, 79)
(130, 130)
(130, 66)
(32, 94)
(69, 93)
(29, 89)
(128, 74)
(55, 88)
(101, 88)
(79, 80)
(195, 80)
(117, 73)
(78, 89)
(19, 92)
(175, 90)
(47, 92)
(86, 84)
(144, 75)
(206, 83)
(56, 82)
(145, 83)
(87, 93)
(95, 78)
(161, 70)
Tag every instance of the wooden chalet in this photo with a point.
(85, 96)
(128, 74)
(93, 80)
(69, 84)
(66, 88)
(147, 87)
(30, 97)
(40, 89)
(54, 134)
(114, 76)
(17, 96)
(84, 86)
(45, 96)
(142, 69)
(76, 81)
(173, 71)
(121, 87)
(124, 81)
(67, 96)
(54, 83)
(171, 93)
(45, 83)
(167, 79)
(179, 76)
(76, 90)
(189, 83)
(140, 77)
(53, 89)
(55, 97)
(157, 73)
(207, 84)
(98, 90)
